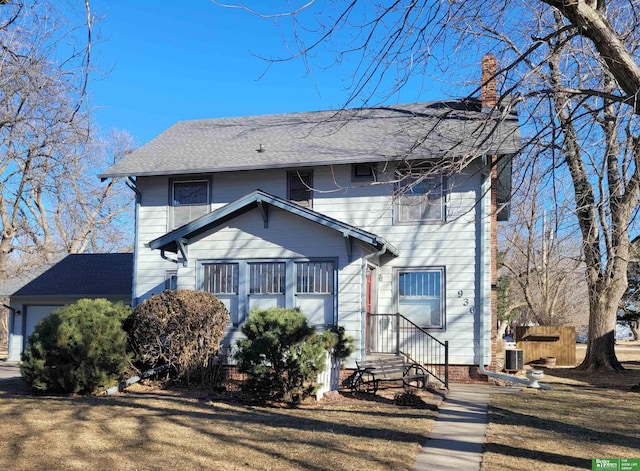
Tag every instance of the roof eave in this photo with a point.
(169, 241)
(284, 165)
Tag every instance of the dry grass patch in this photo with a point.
(586, 416)
(163, 431)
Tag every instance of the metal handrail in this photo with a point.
(394, 333)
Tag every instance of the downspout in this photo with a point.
(165, 257)
(132, 184)
(8, 307)
(363, 310)
(10, 325)
(485, 190)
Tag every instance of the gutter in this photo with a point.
(486, 190)
(8, 307)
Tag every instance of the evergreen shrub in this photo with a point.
(338, 342)
(78, 348)
(281, 354)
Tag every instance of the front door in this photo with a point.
(381, 335)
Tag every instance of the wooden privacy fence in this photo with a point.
(541, 342)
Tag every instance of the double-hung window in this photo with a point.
(314, 291)
(299, 188)
(222, 279)
(421, 296)
(189, 201)
(420, 198)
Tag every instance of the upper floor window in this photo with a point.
(363, 172)
(299, 187)
(420, 198)
(189, 201)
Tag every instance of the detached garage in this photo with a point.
(74, 277)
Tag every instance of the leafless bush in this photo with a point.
(182, 328)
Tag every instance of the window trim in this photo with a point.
(171, 205)
(443, 294)
(400, 193)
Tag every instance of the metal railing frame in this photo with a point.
(417, 345)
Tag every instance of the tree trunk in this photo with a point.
(5, 250)
(601, 353)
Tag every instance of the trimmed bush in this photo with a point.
(282, 355)
(181, 328)
(78, 348)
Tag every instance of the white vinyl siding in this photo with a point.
(370, 207)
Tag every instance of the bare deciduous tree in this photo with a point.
(541, 258)
(50, 200)
(570, 64)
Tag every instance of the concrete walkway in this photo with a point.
(9, 370)
(457, 439)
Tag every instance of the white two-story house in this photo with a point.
(346, 215)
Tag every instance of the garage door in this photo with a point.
(33, 315)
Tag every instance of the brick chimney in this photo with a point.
(489, 97)
(488, 88)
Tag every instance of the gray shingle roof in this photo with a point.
(91, 275)
(414, 131)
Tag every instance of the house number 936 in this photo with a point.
(465, 301)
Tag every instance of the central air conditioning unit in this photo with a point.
(513, 359)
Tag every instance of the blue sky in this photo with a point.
(172, 61)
